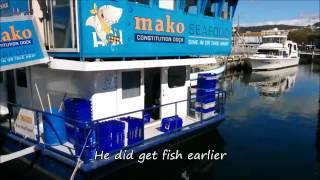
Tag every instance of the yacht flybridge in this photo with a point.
(275, 52)
(89, 76)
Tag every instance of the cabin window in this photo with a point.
(1, 77)
(131, 84)
(168, 4)
(140, 1)
(210, 8)
(268, 52)
(191, 7)
(62, 24)
(21, 75)
(295, 47)
(176, 76)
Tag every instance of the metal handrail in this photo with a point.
(218, 91)
(220, 101)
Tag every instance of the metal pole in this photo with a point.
(201, 111)
(175, 108)
(38, 127)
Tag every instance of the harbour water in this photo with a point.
(271, 131)
(273, 134)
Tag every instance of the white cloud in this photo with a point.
(304, 21)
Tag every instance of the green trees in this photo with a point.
(305, 36)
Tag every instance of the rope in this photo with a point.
(79, 161)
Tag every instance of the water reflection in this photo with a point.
(179, 169)
(318, 135)
(273, 83)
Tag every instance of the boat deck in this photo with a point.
(151, 130)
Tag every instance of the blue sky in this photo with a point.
(292, 12)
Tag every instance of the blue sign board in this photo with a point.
(20, 45)
(125, 29)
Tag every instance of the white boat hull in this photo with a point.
(272, 63)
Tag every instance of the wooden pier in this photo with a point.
(310, 56)
(236, 61)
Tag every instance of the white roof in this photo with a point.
(271, 46)
(125, 65)
(275, 36)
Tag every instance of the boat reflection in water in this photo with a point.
(210, 139)
(273, 83)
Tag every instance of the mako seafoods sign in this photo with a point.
(20, 45)
(122, 29)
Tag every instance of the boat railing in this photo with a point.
(92, 125)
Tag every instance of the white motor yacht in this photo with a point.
(275, 52)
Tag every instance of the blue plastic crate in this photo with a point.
(206, 105)
(146, 117)
(110, 135)
(80, 136)
(171, 123)
(204, 92)
(78, 113)
(135, 129)
(88, 153)
(199, 109)
(206, 81)
(78, 109)
(206, 95)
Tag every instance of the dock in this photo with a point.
(235, 61)
(310, 56)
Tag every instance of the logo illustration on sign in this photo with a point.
(4, 5)
(102, 21)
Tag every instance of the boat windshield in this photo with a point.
(269, 52)
(274, 40)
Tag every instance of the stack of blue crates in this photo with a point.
(78, 126)
(205, 96)
(110, 135)
(171, 123)
(135, 129)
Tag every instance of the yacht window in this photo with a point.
(140, 1)
(176, 76)
(295, 47)
(1, 77)
(268, 52)
(168, 4)
(210, 8)
(191, 7)
(290, 48)
(273, 40)
(21, 76)
(131, 84)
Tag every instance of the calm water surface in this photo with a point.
(272, 131)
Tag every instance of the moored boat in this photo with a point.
(276, 52)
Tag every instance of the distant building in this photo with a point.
(274, 31)
(250, 38)
(246, 43)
